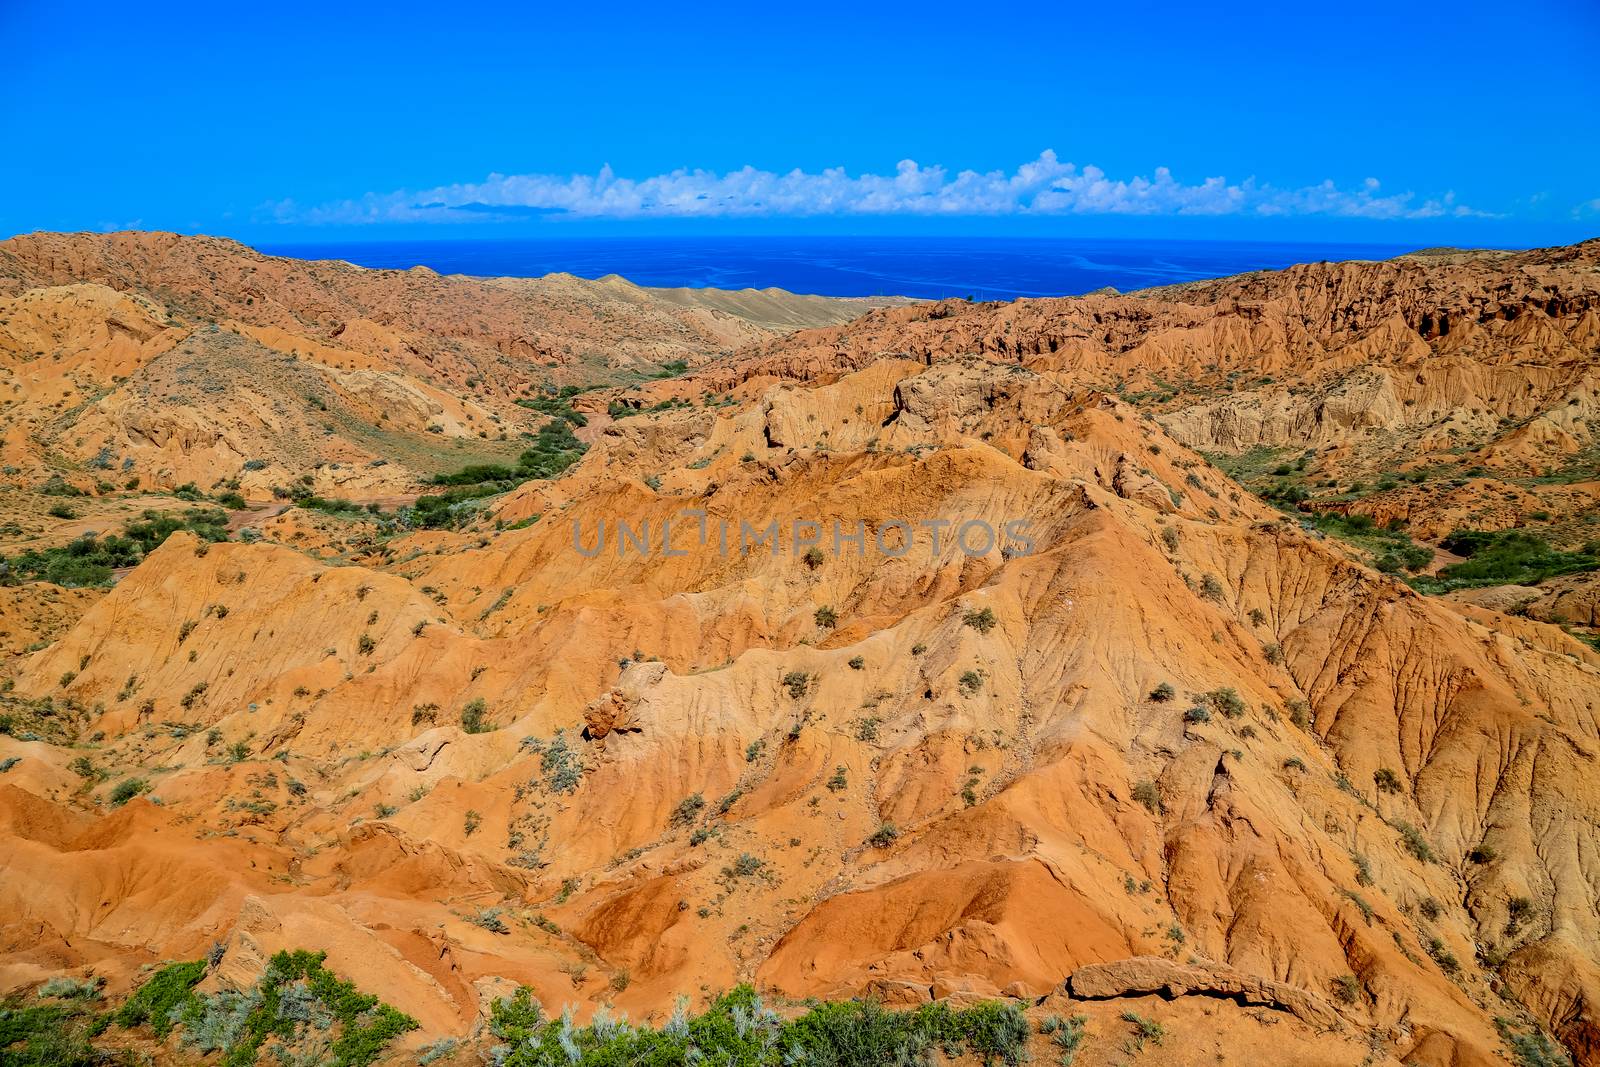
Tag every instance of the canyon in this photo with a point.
(1281, 735)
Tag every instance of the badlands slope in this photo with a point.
(195, 359)
(1191, 761)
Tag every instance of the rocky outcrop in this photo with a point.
(617, 709)
(1153, 974)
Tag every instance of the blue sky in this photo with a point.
(1460, 123)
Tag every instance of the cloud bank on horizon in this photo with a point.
(1044, 186)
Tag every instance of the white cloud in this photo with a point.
(1045, 186)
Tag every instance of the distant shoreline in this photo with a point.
(988, 268)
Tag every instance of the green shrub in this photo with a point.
(1518, 911)
(89, 560)
(1414, 842)
(127, 789)
(295, 998)
(64, 987)
(474, 716)
(1532, 1049)
(328, 505)
(165, 991)
(743, 867)
(554, 450)
(1509, 557)
(738, 1030)
(489, 919)
(436, 1050)
(55, 485)
(982, 620)
(1065, 1034)
(49, 1035)
(1441, 954)
(797, 682)
(1144, 1030)
(688, 810)
(1225, 702)
(556, 406)
(1363, 905)
(561, 764)
(1147, 793)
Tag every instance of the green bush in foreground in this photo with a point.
(153, 1002)
(737, 1030)
(300, 1012)
(50, 1035)
(297, 998)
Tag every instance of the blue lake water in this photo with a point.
(992, 268)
